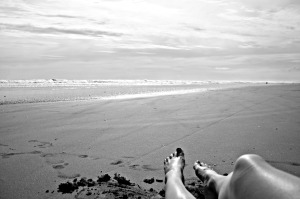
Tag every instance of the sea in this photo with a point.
(57, 90)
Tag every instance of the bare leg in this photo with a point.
(252, 178)
(173, 166)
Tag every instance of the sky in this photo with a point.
(233, 40)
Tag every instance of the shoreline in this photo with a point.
(23, 95)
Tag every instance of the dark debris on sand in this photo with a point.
(122, 180)
(103, 178)
(119, 187)
(152, 180)
(106, 187)
(67, 187)
(149, 181)
(196, 187)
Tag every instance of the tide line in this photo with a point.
(154, 94)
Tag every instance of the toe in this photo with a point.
(196, 164)
(179, 152)
(167, 160)
(171, 155)
(175, 154)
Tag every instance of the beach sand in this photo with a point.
(45, 144)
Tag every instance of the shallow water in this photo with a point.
(21, 91)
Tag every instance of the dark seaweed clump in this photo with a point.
(122, 180)
(67, 187)
(103, 178)
(159, 180)
(70, 187)
(149, 181)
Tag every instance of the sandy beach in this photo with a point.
(45, 144)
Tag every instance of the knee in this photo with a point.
(248, 161)
(245, 173)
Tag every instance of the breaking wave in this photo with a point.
(86, 83)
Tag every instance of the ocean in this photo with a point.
(54, 90)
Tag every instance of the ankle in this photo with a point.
(208, 177)
(174, 174)
(215, 182)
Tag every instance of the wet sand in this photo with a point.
(45, 144)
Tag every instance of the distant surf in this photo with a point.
(154, 94)
(87, 83)
(56, 90)
(83, 83)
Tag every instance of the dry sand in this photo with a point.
(45, 144)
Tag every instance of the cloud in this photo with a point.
(269, 4)
(7, 10)
(52, 57)
(222, 68)
(209, 47)
(145, 53)
(149, 46)
(106, 51)
(60, 16)
(249, 44)
(58, 30)
(196, 28)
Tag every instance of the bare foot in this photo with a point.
(208, 177)
(175, 164)
(205, 173)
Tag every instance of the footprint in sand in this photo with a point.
(148, 167)
(117, 162)
(46, 155)
(40, 144)
(55, 160)
(129, 157)
(58, 166)
(83, 156)
(68, 176)
(8, 155)
(57, 163)
(134, 167)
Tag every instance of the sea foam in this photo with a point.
(155, 94)
(85, 83)
(64, 82)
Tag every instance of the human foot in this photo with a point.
(209, 178)
(204, 172)
(174, 164)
